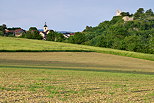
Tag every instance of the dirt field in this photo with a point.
(74, 77)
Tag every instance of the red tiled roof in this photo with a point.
(72, 33)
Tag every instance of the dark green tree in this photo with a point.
(2, 29)
(133, 43)
(51, 36)
(139, 14)
(149, 12)
(33, 33)
(78, 38)
(125, 14)
(140, 11)
(151, 44)
(33, 29)
(55, 36)
(1, 33)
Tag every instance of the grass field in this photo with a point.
(8, 44)
(74, 77)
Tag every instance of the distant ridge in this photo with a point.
(63, 32)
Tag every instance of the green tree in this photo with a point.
(33, 33)
(55, 36)
(51, 36)
(149, 12)
(133, 43)
(140, 10)
(1, 33)
(36, 35)
(78, 38)
(151, 43)
(33, 29)
(125, 14)
(139, 14)
(2, 29)
(59, 37)
(118, 44)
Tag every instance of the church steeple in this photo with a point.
(45, 27)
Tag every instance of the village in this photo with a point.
(17, 32)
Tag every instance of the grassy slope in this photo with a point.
(19, 44)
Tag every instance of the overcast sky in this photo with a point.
(68, 15)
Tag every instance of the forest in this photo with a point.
(136, 35)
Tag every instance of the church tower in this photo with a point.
(45, 27)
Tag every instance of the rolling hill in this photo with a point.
(8, 44)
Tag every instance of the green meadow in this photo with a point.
(8, 44)
(52, 72)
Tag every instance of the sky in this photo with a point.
(65, 15)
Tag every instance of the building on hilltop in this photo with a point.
(118, 13)
(45, 31)
(127, 18)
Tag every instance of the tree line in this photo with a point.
(33, 33)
